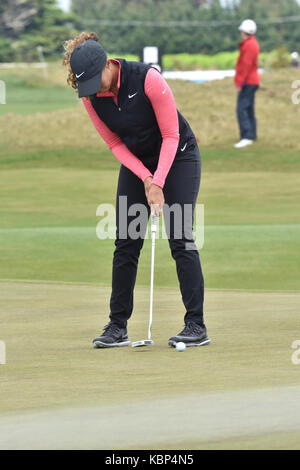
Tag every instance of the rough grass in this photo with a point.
(222, 61)
(211, 111)
(27, 123)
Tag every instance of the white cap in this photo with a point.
(295, 55)
(248, 26)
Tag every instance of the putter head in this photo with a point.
(143, 342)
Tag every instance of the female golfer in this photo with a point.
(133, 109)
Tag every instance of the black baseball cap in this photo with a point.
(87, 63)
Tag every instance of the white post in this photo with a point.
(2, 353)
(2, 92)
(42, 60)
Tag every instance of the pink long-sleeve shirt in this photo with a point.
(162, 100)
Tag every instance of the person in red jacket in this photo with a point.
(247, 82)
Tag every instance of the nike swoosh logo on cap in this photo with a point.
(77, 76)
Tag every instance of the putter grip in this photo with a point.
(154, 220)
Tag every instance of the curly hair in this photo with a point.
(69, 47)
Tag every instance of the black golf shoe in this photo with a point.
(113, 336)
(193, 334)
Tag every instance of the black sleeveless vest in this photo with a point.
(133, 119)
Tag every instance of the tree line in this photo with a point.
(126, 26)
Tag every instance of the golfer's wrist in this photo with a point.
(155, 186)
(147, 178)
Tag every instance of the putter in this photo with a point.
(149, 342)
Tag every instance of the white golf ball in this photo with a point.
(180, 346)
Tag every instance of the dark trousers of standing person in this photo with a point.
(246, 112)
(181, 187)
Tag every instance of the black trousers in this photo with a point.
(181, 188)
(246, 112)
